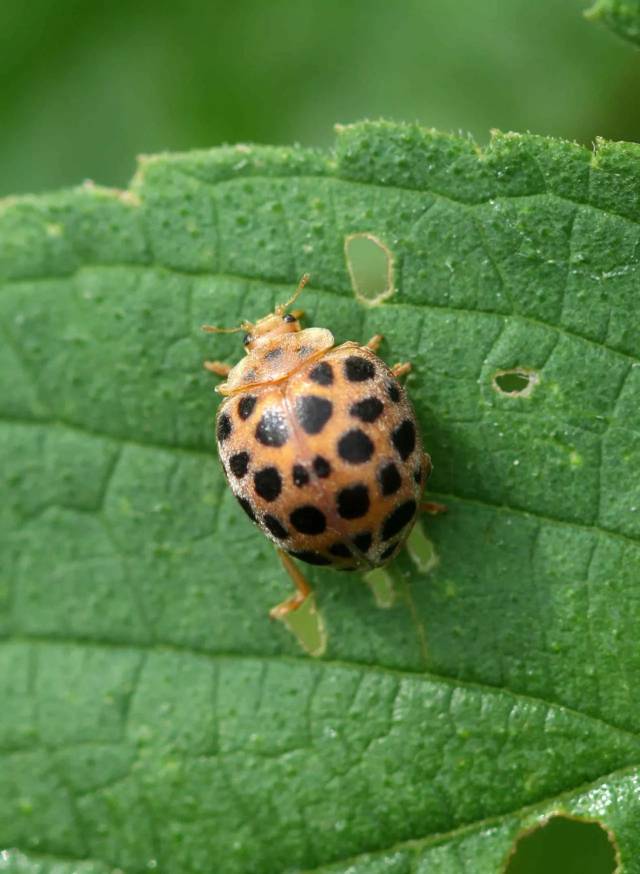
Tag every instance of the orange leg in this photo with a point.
(401, 369)
(374, 342)
(217, 367)
(433, 508)
(299, 581)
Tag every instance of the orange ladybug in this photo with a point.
(320, 445)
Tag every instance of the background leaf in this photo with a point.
(152, 716)
(86, 87)
(622, 16)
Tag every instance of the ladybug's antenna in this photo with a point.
(284, 306)
(245, 326)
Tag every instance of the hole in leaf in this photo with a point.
(518, 382)
(307, 626)
(370, 265)
(564, 846)
(381, 584)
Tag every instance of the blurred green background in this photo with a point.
(86, 86)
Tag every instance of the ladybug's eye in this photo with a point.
(246, 339)
(289, 318)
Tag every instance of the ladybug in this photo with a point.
(320, 446)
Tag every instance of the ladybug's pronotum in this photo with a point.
(320, 445)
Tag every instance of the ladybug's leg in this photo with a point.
(401, 369)
(433, 508)
(374, 343)
(397, 369)
(299, 581)
(217, 367)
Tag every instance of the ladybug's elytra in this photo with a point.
(320, 445)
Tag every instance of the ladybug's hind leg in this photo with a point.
(217, 367)
(433, 508)
(301, 584)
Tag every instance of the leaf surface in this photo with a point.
(153, 717)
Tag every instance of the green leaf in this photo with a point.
(152, 716)
(621, 16)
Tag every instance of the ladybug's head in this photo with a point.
(271, 326)
(276, 323)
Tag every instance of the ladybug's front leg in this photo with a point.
(397, 369)
(374, 342)
(301, 584)
(401, 369)
(433, 508)
(217, 367)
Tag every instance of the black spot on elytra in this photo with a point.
(246, 406)
(390, 480)
(397, 520)
(300, 475)
(394, 392)
(322, 374)
(404, 439)
(224, 428)
(239, 464)
(340, 549)
(353, 502)
(310, 557)
(355, 447)
(367, 409)
(388, 551)
(246, 506)
(358, 369)
(363, 541)
(313, 412)
(308, 520)
(275, 527)
(321, 466)
(273, 354)
(268, 483)
(272, 428)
